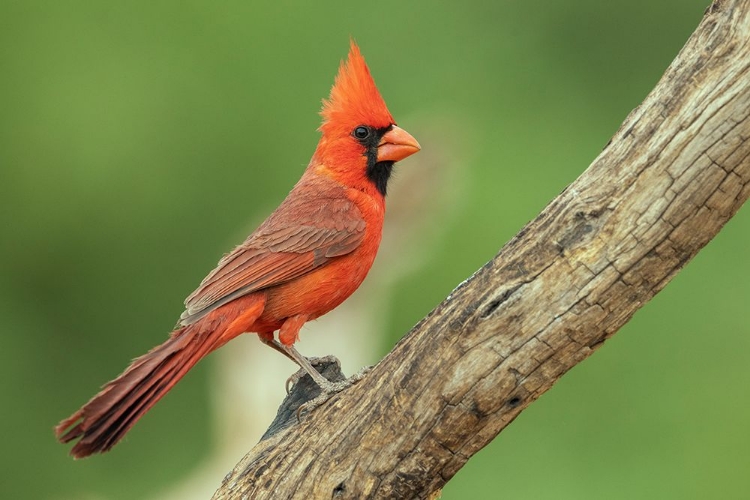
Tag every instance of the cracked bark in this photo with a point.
(674, 173)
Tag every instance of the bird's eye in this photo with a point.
(361, 132)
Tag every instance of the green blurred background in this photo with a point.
(140, 139)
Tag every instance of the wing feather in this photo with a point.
(303, 234)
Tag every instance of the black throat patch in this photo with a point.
(377, 171)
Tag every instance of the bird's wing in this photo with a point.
(302, 234)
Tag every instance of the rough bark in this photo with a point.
(670, 178)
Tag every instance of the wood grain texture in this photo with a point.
(670, 178)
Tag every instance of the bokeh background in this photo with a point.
(141, 140)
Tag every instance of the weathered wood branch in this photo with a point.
(671, 177)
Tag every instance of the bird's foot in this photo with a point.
(293, 380)
(305, 394)
(327, 391)
(327, 388)
(360, 374)
(330, 368)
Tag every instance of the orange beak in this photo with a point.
(397, 144)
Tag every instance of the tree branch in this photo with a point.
(676, 171)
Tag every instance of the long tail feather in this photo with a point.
(105, 419)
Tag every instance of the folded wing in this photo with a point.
(303, 234)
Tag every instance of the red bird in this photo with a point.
(310, 254)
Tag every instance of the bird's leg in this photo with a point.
(267, 338)
(288, 334)
(327, 388)
(324, 384)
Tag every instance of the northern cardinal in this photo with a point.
(310, 254)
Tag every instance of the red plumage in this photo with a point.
(310, 254)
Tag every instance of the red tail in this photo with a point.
(106, 418)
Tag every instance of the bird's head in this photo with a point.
(360, 141)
